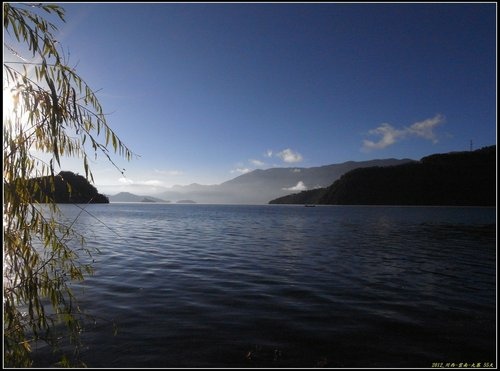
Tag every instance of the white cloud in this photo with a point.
(257, 163)
(425, 128)
(152, 182)
(125, 181)
(289, 156)
(241, 170)
(390, 135)
(269, 153)
(300, 186)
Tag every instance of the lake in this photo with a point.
(287, 286)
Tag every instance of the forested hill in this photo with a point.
(455, 178)
(79, 190)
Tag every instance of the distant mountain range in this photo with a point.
(456, 178)
(130, 197)
(260, 186)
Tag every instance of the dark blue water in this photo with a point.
(287, 286)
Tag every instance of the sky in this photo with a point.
(204, 92)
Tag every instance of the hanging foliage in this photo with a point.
(50, 109)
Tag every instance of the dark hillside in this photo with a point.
(66, 187)
(456, 178)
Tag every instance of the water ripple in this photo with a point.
(271, 286)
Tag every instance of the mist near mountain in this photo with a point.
(261, 186)
(130, 197)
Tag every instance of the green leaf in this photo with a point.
(51, 105)
(86, 166)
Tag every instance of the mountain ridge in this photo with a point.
(130, 197)
(453, 178)
(261, 185)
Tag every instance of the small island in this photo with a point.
(65, 188)
(186, 202)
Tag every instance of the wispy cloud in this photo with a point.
(151, 182)
(425, 128)
(390, 135)
(125, 181)
(289, 156)
(168, 172)
(300, 186)
(257, 163)
(241, 170)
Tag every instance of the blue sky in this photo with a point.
(204, 92)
